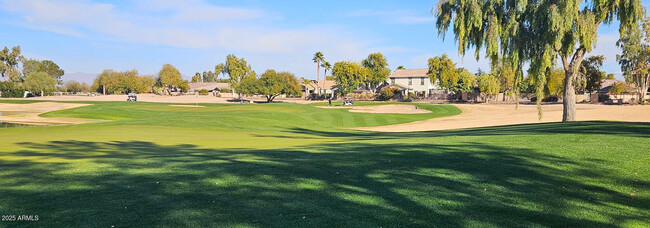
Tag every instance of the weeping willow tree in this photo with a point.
(537, 32)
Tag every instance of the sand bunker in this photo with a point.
(483, 115)
(392, 108)
(188, 106)
(28, 113)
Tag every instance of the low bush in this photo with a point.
(412, 95)
(388, 93)
(11, 89)
(203, 92)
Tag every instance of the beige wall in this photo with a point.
(416, 84)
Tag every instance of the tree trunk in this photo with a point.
(42, 93)
(104, 89)
(318, 77)
(569, 103)
(570, 70)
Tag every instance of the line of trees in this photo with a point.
(121, 82)
(536, 32)
(502, 79)
(39, 76)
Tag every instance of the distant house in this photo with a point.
(607, 84)
(413, 80)
(313, 88)
(209, 86)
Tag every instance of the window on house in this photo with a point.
(421, 81)
(392, 81)
(410, 81)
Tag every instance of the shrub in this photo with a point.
(388, 93)
(11, 89)
(412, 95)
(203, 92)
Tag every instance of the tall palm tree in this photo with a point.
(327, 66)
(318, 58)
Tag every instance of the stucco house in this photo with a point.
(413, 80)
(209, 86)
(312, 88)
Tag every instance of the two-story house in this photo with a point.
(413, 80)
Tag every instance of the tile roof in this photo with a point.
(410, 73)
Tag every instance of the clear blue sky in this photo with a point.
(194, 35)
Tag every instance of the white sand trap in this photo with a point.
(189, 106)
(392, 108)
(485, 115)
(28, 113)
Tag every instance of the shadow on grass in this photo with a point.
(583, 127)
(137, 183)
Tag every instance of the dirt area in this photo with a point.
(28, 113)
(188, 106)
(392, 108)
(484, 115)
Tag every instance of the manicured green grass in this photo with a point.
(289, 165)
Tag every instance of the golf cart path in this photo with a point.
(486, 115)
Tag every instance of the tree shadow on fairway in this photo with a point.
(641, 130)
(138, 183)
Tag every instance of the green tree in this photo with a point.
(209, 76)
(536, 32)
(40, 81)
(237, 69)
(219, 69)
(400, 67)
(505, 73)
(348, 76)
(73, 86)
(443, 70)
(272, 84)
(378, 71)
(610, 77)
(466, 82)
(8, 63)
(105, 82)
(489, 85)
(318, 58)
(47, 66)
(618, 88)
(635, 57)
(554, 83)
(590, 74)
(169, 77)
(197, 77)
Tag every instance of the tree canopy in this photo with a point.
(443, 70)
(47, 66)
(635, 57)
(237, 69)
(114, 82)
(488, 84)
(169, 77)
(590, 74)
(348, 76)
(8, 63)
(40, 81)
(378, 71)
(536, 32)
